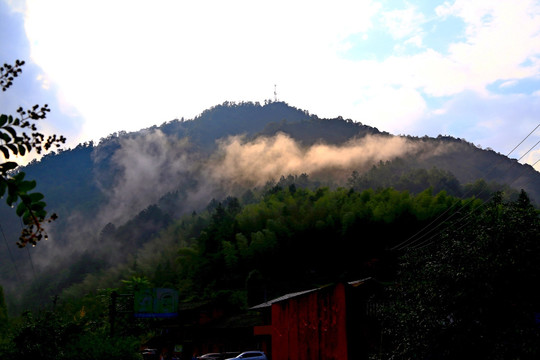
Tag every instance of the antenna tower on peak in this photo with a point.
(275, 93)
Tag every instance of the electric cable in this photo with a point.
(408, 242)
(10, 255)
(31, 263)
(426, 243)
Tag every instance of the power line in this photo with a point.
(31, 263)
(532, 165)
(10, 255)
(526, 137)
(426, 243)
(409, 241)
(406, 243)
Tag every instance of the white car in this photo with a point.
(210, 356)
(251, 355)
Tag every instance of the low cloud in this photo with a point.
(254, 163)
(149, 166)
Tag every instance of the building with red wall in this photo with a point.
(331, 322)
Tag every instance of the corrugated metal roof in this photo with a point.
(292, 295)
(281, 298)
(359, 282)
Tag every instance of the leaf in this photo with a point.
(19, 177)
(22, 150)
(3, 119)
(35, 197)
(25, 198)
(5, 151)
(13, 148)
(11, 199)
(9, 165)
(27, 218)
(10, 130)
(4, 136)
(40, 214)
(21, 208)
(25, 186)
(40, 205)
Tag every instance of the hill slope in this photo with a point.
(115, 196)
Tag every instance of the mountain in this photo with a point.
(112, 198)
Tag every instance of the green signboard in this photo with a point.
(156, 302)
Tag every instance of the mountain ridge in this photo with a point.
(150, 177)
(93, 169)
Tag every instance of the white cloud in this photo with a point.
(394, 110)
(502, 43)
(415, 40)
(125, 65)
(501, 36)
(496, 121)
(44, 81)
(167, 59)
(533, 158)
(403, 23)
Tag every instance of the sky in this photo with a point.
(465, 68)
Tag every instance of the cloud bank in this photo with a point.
(149, 166)
(254, 163)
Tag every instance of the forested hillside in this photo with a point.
(242, 203)
(114, 197)
(287, 238)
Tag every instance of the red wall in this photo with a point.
(311, 326)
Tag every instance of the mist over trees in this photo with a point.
(246, 202)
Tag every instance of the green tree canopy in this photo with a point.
(474, 293)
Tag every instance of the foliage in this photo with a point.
(136, 283)
(402, 175)
(52, 336)
(474, 293)
(238, 255)
(90, 346)
(310, 131)
(296, 238)
(15, 141)
(41, 337)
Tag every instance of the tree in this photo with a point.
(14, 140)
(53, 335)
(474, 293)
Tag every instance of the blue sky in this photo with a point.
(465, 68)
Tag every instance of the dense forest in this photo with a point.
(247, 202)
(297, 238)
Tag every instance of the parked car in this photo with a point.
(150, 354)
(210, 356)
(251, 355)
